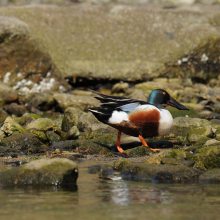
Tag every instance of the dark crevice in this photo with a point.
(95, 84)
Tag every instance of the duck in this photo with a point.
(135, 117)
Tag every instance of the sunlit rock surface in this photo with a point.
(57, 171)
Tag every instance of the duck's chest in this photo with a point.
(165, 122)
(152, 121)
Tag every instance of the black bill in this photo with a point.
(172, 102)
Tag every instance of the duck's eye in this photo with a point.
(164, 93)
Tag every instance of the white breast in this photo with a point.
(165, 123)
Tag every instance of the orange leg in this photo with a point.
(145, 144)
(118, 142)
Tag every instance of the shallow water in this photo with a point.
(97, 198)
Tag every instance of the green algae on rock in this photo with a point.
(53, 137)
(137, 151)
(197, 133)
(43, 124)
(70, 118)
(3, 116)
(210, 176)
(56, 172)
(10, 126)
(182, 125)
(159, 173)
(21, 141)
(77, 101)
(119, 164)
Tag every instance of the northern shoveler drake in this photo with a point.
(137, 118)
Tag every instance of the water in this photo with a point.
(97, 198)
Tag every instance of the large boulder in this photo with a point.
(55, 172)
(24, 62)
(120, 42)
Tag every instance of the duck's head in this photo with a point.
(160, 97)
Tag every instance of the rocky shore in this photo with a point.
(50, 55)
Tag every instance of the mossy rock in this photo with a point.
(96, 149)
(3, 116)
(21, 141)
(100, 145)
(210, 150)
(101, 169)
(138, 151)
(159, 173)
(53, 137)
(210, 176)
(170, 161)
(43, 124)
(55, 172)
(192, 113)
(197, 133)
(25, 119)
(156, 158)
(182, 125)
(202, 141)
(177, 154)
(119, 164)
(73, 133)
(10, 126)
(70, 118)
(39, 134)
(205, 157)
(212, 142)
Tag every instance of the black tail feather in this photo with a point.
(102, 115)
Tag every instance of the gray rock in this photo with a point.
(24, 64)
(42, 101)
(70, 118)
(15, 109)
(43, 124)
(77, 101)
(7, 94)
(10, 126)
(58, 171)
(210, 176)
(159, 173)
(26, 119)
(197, 133)
(73, 133)
(3, 116)
(53, 137)
(212, 142)
(22, 141)
(120, 87)
(161, 42)
(182, 125)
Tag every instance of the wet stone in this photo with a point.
(3, 116)
(53, 137)
(182, 125)
(15, 109)
(159, 173)
(56, 172)
(119, 164)
(102, 170)
(137, 151)
(21, 141)
(10, 126)
(26, 119)
(197, 133)
(70, 118)
(210, 176)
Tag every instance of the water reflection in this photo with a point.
(120, 193)
(124, 194)
(104, 198)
